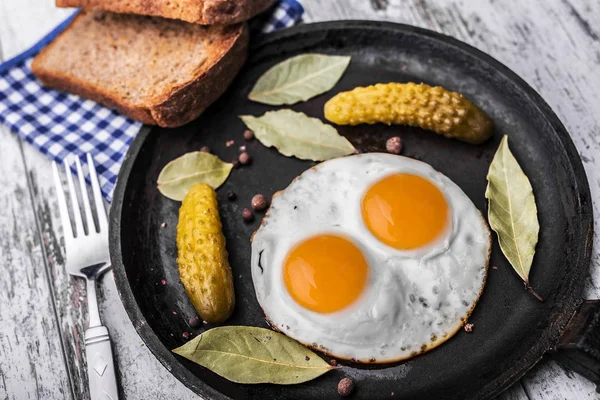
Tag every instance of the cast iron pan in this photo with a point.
(512, 330)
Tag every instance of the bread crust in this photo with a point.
(187, 102)
(205, 12)
(177, 107)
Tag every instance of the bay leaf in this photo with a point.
(248, 354)
(512, 212)
(179, 175)
(299, 78)
(295, 134)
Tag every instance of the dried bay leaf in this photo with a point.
(299, 78)
(178, 176)
(247, 354)
(512, 212)
(295, 134)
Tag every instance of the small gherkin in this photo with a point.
(202, 258)
(433, 108)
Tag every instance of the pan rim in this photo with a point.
(572, 292)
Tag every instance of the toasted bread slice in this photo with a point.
(155, 70)
(206, 12)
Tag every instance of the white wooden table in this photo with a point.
(552, 44)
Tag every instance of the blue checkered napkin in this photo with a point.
(59, 124)
(287, 13)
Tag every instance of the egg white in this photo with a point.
(413, 300)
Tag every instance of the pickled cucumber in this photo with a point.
(433, 108)
(203, 266)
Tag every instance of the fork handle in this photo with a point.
(100, 364)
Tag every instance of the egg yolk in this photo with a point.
(325, 273)
(405, 211)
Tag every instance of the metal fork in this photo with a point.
(88, 257)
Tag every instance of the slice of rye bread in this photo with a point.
(154, 70)
(206, 12)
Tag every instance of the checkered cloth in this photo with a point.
(59, 124)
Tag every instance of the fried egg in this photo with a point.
(372, 257)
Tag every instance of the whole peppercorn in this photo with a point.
(194, 322)
(205, 149)
(248, 134)
(259, 202)
(394, 145)
(231, 196)
(247, 215)
(345, 387)
(186, 335)
(244, 158)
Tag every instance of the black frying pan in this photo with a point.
(512, 329)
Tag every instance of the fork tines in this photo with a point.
(92, 228)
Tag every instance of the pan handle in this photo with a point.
(579, 345)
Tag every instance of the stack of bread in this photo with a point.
(161, 62)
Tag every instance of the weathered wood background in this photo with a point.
(553, 44)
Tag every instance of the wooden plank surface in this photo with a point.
(554, 45)
(32, 361)
(31, 358)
